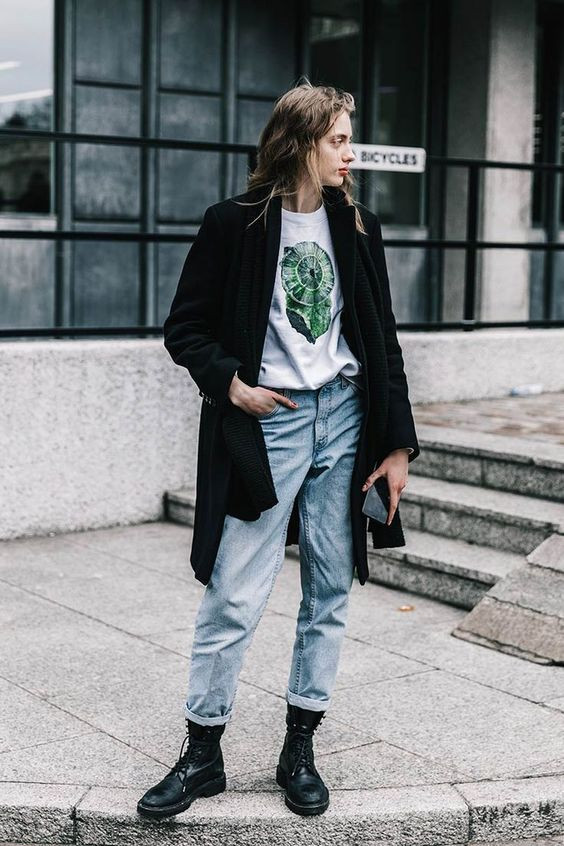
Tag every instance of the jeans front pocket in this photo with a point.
(353, 385)
(277, 407)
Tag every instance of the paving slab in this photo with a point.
(94, 758)
(435, 647)
(379, 612)
(503, 735)
(72, 655)
(256, 732)
(96, 633)
(145, 712)
(383, 765)
(162, 547)
(538, 418)
(360, 663)
(97, 584)
(27, 721)
(92, 672)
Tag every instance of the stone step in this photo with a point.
(509, 521)
(523, 613)
(437, 501)
(447, 569)
(442, 814)
(460, 539)
(534, 468)
(179, 506)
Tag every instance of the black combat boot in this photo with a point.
(306, 792)
(198, 772)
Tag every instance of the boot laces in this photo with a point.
(304, 744)
(303, 740)
(191, 754)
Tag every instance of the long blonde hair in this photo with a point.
(288, 143)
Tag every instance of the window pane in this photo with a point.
(335, 44)
(401, 98)
(26, 89)
(395, 35)
(336, 51)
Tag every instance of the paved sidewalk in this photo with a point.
(539, 417)
(428, 740)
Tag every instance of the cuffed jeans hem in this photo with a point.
(206, 721)
(304, 702)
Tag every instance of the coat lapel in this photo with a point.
(343, 234)
(342, 226)
(272, 247)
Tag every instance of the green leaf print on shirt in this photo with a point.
(308, 279)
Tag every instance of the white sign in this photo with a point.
(382, 157)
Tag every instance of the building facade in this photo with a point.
(477, 79)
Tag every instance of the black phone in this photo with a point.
(377, 500)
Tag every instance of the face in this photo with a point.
(335, 151)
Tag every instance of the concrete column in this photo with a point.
(491, 115)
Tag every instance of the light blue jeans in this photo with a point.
(311, 451)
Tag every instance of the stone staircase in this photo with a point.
(475, 505)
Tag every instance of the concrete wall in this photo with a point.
(95, 431)
(454, 366)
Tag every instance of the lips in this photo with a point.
(343, 170)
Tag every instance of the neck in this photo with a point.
(305, 200)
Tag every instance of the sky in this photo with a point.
(26, 47)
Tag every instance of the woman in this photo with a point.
(283, 318)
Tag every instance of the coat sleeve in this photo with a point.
(196, 311)
(401, 426)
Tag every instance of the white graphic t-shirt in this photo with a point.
(304, 347)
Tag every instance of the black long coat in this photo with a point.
(197, 335)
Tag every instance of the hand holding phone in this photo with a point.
(377, 500)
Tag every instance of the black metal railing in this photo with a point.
(470, 244)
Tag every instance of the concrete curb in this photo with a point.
(436, 815)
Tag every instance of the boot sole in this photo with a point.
(303, 810)
(210, 788)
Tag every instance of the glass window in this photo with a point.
(399, 107)
(335, 48)
(549, 108)
(390, 99)
(26, 97)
